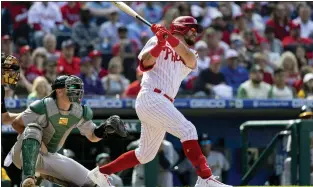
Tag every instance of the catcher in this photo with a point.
(43, 128)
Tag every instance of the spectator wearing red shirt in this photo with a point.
(294, 39)
(288, 62)
(214, 43)
(36, 68)
(299, 83)
(67, 63)
(50, 43)
(279, 21)
(96, 59)
(134, 88)
(70, 13)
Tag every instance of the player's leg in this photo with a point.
(164, 114)
(32, 137)
(149, 144)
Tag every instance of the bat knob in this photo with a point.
(165, 36)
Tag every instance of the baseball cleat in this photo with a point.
(102, 180)
(210, 182)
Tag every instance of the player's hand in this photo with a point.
(113, 125)
(155, 28)
(172, 40)
(161, 37)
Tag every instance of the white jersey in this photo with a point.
(168, 71)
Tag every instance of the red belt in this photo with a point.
(165, 95)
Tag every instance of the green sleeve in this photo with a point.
(242, 93)
(38, 107)
(87, 113)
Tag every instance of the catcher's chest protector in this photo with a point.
(59, 126)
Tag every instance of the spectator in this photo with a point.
(204, 13)
(100, 11)
(279, 21)
(36, 68)
(85, 33)
(67, 63)
(50, 43)
(103, 159)
(304, 70)
(6, 45)
(18, 15)
(275, 44)
(150, 11)
(280, 90)
(109, 33)
(127, 50)
(115, 82)
(289, 63)
(134, 88)
(167, 158)
(294, 38)
(210, 77)
(40, 88)
(260, 59)
(135, 31)
(92, 83)
(50, 66)
(254, 88)
(203, 61)
(43, 17)
(70, 13)
(215, 46)
(307, 91)
(216, 160)
(96, 59)
(253, 19)
(25, 57)
(305, 21)
(301, 56)
(233, 73)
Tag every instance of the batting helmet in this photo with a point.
(183, 24)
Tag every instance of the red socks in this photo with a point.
(125, 161)
(193, 152)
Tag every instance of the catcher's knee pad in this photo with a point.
(33, 131)
(189, 132)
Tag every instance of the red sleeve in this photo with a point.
(287, 41)
(63, 11)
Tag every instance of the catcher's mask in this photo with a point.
(182, 24)
(10, 70)
(74, 87)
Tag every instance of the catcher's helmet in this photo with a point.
(73, 84)
(10, 72)
(183, 24)
(305, 113)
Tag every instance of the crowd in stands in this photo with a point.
(254, 50)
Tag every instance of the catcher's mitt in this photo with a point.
(113, 125)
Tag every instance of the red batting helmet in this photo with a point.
(183, 24)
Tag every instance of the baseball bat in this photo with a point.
(125, 8)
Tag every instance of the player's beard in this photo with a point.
(189, 41)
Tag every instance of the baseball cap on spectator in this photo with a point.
(215, 59)
(308, 77)
(24, 49)
(122, 29)
(201, 45)
(94, 53)
(231, 53)
(67, 43)
(6, 37)
(210, 31)
(248, 7)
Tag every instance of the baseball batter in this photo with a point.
(43, 128)
(166, 60)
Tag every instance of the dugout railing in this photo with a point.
(299, 130)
